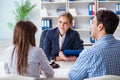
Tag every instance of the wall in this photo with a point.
(6, 15)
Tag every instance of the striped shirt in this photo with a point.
(103, 58)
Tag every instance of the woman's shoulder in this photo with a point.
(36, 50)
(10, 48)
(8, 53)
(35, 53)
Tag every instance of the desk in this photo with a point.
(54, 79)
(62, 72)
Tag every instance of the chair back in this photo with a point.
(42, 38)
(105, 77)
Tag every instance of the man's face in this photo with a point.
(63, 25)
(94, 28)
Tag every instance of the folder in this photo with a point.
(93, 9)
(73, 25)
(117, 8)
(46, 24)
(43, 24)
(90, 9)
(50, 23)
(72, 52)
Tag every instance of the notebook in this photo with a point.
(72, 52)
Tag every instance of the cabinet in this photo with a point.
(82, 19)
(51, 9)
(80, 11)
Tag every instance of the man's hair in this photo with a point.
(109, 19)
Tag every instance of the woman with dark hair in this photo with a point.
(23, 57)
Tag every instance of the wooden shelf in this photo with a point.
(82, 19)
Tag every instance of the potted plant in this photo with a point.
(21, 12)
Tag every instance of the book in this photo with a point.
(73, 25)
(117, 9)
(72, 52)
(93, 9)
(71, 0)
(90, 9)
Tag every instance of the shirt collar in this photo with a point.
(106, 37)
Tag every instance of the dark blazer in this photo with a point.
(51, 42)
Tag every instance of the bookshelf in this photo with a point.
(80, 11)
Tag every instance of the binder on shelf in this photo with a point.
(118, 9)
(71, 0)
(50, 23)
(73, 25)
(46, 24)
(42, 24)
(91, 9)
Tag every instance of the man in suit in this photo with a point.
(62, 38)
